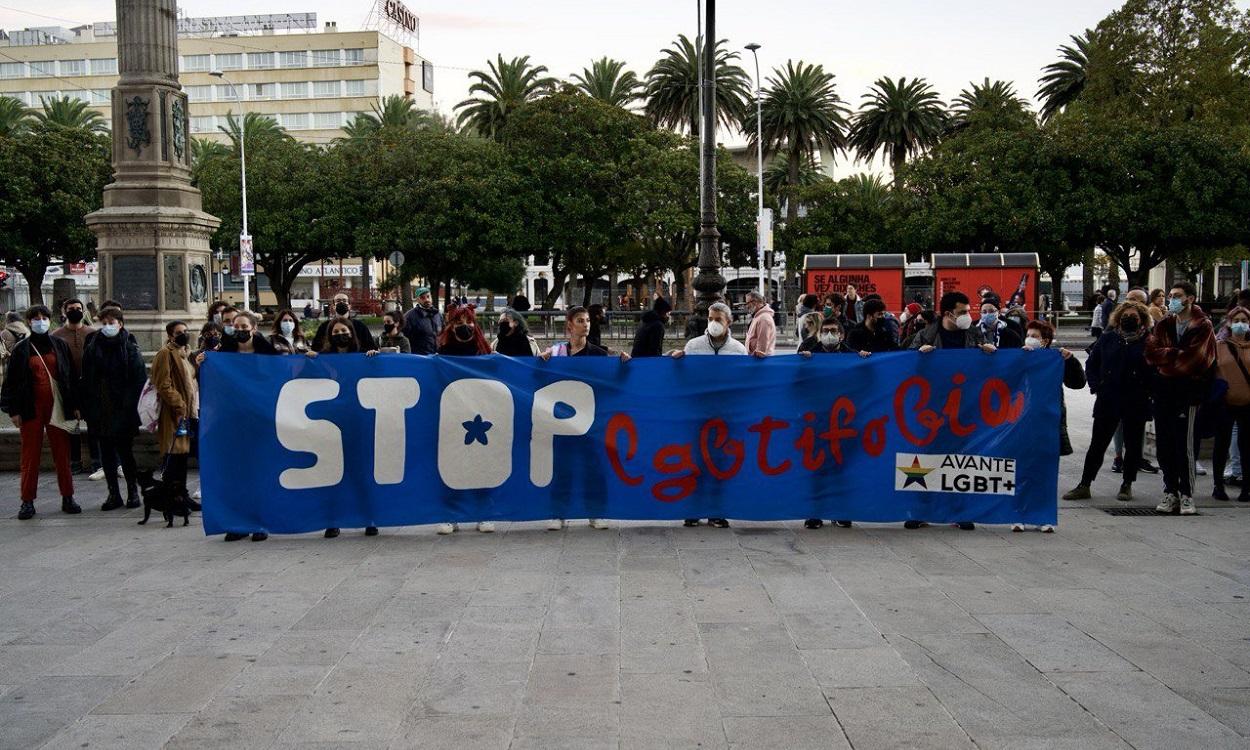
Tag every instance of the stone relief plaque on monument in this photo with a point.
(134, 281)
(198, 282)
(175, 293)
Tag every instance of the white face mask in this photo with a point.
(830, 339)
(1032, 342)
(288, 326)
(40, 325)
(110, 329)
(964, 322)
(228, 329)
(715, 329)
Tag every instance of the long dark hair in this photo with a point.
(327, 346)
(298, 333)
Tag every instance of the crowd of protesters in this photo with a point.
(1156, 358)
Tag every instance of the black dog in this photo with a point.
(164, 499)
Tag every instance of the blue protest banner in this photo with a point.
(291, 444)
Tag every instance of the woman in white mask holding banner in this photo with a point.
(718, 340)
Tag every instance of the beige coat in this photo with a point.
(173, 377)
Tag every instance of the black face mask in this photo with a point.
(464, 333)
(211, 342)
(341, 308)
(242, 336)
(1130, 325)
(74, 316)
(181, 339)
(341, 340)
(389, 328)
(504, 329)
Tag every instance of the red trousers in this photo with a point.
(32, 446)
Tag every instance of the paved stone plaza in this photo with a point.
(1115, 632)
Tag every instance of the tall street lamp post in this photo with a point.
(245, 238)
(709, 282)
(759, 159)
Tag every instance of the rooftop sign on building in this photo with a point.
(209, 25)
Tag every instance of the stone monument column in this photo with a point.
(152, 234)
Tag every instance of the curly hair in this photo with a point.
(1129, 304)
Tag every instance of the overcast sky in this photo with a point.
(950, 43)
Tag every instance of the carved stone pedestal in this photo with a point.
(153, 237)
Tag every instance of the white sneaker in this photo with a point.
(1017, 527)
(1047, 529)
(486, 527)
(1199, 469)
(97, 475)
(196, 496)
(1169, 504)
(598, 523)
(446, 528)
(556, 524)
(1187, 506)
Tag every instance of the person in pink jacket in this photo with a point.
(762, 333)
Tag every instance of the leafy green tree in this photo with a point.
(672, 87)
(70, 113)
(608, 81)
(203, 150)
(777, 178)
(298, 211)
(899, 119)
(50, 178)
(1147, 194)
(852, 215)
(502, 89)
(396, 111)
(992, 104)
(449, 202)
(254, 127)
(1064, 80)
(13, 116)
(801, 114)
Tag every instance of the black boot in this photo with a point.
(112, 503)
(69, 506)
(331, 533)
(26, 512)
(234, 536)
(132, 497)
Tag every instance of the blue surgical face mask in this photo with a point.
(229, 329)
(989, 319)
(110, 329)
(40, 325)
(287, 327)
(1175, 305)
(1240, 329)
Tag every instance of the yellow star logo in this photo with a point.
(915, 473)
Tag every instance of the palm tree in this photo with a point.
(800, 114)
(868, 189)
(396, 112)
(777, 176)
(672, 88)
(255, 127)
(899, 119)
(1063, 81)
(506, 86)
(14, 116)
(70, 113)
(991, 102)
(608, 81)
(203, 151)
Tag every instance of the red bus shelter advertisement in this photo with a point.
(888, 282)
(1012, 285)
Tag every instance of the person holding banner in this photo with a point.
(995, 331)
(40, 378)
(953, 330)
(716, 341)
(1181, 347)
(173, 378)
(246, 339)
(392, 336)
(341, 339)
(830, 340)
(514, 336)
(577, 327)
(342, 310)
(462, 337)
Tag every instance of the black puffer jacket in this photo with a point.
(17, 396)
(649, 340)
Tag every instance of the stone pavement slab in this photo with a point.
(1116, 632)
